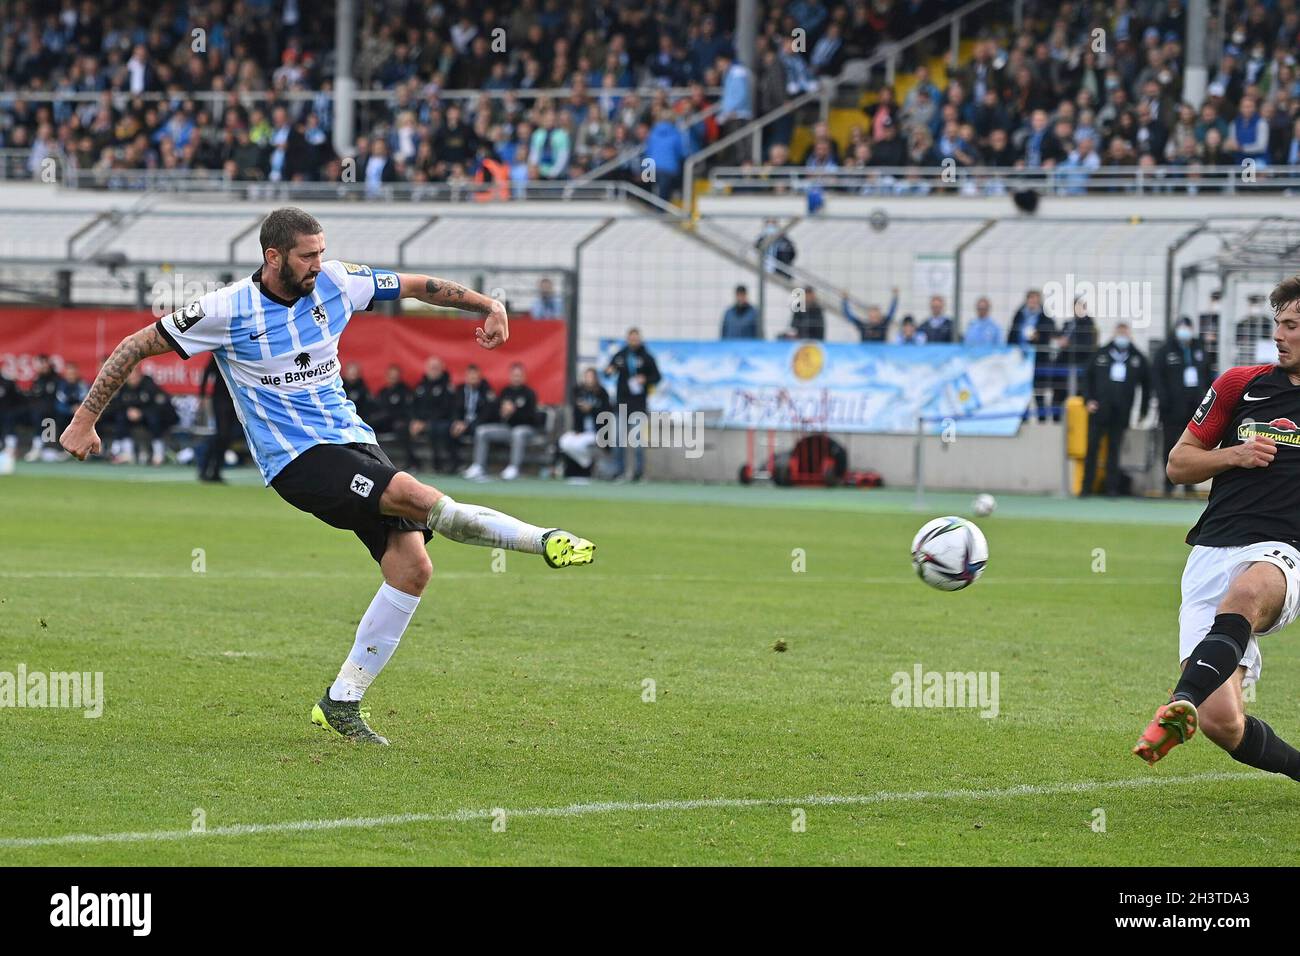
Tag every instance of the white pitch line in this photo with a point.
(616, 806)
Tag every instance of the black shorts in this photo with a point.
(342, 485)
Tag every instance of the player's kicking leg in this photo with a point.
(474, 524)
(406, 568)
(1208, 694)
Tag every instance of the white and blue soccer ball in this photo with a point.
(984, 505)
(949, 553)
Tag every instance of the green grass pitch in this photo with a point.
(525, 689)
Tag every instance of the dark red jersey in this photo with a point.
(1248, 505)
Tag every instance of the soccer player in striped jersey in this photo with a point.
(275, 337)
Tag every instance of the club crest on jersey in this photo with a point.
(1206, 404)
(184, 318)
(1281, 430)
(318, 313)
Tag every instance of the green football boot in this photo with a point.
(345, 718)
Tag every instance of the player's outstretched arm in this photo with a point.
(1190, 462)
(496, 325)
(79, 438)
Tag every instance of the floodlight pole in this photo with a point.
(345, 85)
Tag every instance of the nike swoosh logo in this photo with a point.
(257, 335)
(1210, 666)
(1253, 398)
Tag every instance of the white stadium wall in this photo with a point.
(674, 279)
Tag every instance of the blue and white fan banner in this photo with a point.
(802, 385)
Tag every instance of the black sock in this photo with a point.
(1214, 660)
(1262, 748)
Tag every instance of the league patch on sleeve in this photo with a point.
(353, 269)
(1204, 408)
(183, 319)
(387, 285)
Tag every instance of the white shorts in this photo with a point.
(1206, 578)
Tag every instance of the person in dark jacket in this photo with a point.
(1078, 342)
(433, 409)
(1181, 374)
(11, 411)
(741, 320)
(577, 447)
(777, 249)
(890, 150)
(224, 420)
(635, 373)
(1032, 328)
(139, 404)
(392, 413)
(357, 391)
(1110, 385)
(519, 418)
(938, 327)
(475, 405)
(69, 393)
(808, 322)
(40, 404)
(875, 328)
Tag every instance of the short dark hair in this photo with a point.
(1287, 291)
(741, 288)
(282, 227)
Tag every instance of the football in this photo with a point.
(949, 553)
(984, 505)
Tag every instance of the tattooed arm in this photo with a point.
(79, 438)
(496, 326)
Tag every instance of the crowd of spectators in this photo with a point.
(1083, 86)
(141, 411)
(272, 66)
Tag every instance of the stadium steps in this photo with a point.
(842, 119)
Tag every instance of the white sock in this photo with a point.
(475, 524)
(11, 442)
(378, 634)
(158, 448)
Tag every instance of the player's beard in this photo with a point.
(292, 284)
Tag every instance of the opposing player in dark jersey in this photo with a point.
(1242, 579)
(275, 336)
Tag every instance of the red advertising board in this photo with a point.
(87, 336)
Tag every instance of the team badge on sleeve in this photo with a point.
(1206, 404)
(184, 318)
(385, 280)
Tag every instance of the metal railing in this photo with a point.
(990, 180)
(122, 97)
(201, 184)
(888, 57)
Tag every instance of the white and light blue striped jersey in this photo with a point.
(280, 360)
